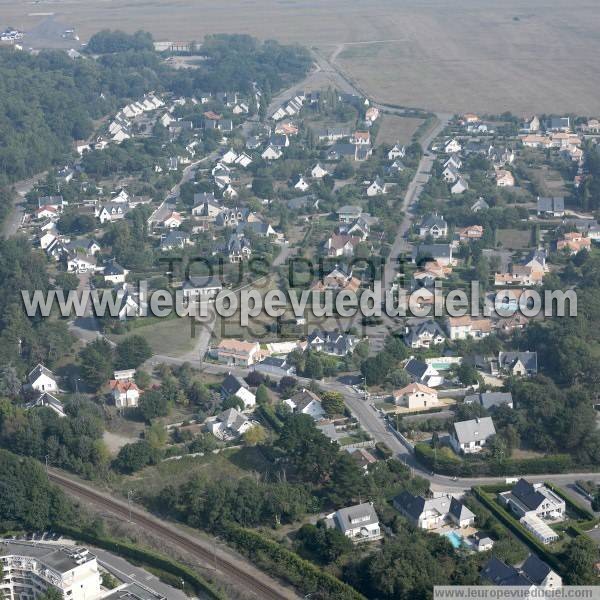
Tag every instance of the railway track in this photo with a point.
(232, 572)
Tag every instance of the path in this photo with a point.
(14, 219)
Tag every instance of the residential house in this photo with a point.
(360, 523)
(348, 213)
(361, 138)
(551, 206)
(130, 304)
(239, 248)
(479, 204)
(307, 403)
(46, 212)
(531, 125)
(439, 253)
(113, 272)
(337, 280)
(424, 334)
(433, 513)
(301, 184)
(397, 151)
(421, 372)
(229, 425)
(318, 172)
(238, 353)
(527, 499)
(175, 239)
(450, 174)
(126, 394)
(361, 457)
(573, 242)
(235, 386)
(415, 396)
(452, 146)
(562, 124)
(201, 288)
(371, 114)
(275, 365)
(454, 161)
(533, 574)
(468, 437)
(42, 379)
(504, 178)
(433, 225)
(81, 263)
(111, 211)
(376, 187)
(469, 233)
(462, 328)
(490, 400)
(518, 363)
(47, 400)
(341, 245)
(271, 153)
(461, 185)
(332, 342)
(172, 221)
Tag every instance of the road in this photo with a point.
(15, 218)
(238, 572)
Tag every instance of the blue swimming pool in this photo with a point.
(455, 539)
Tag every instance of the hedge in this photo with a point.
(269, 416)
(446, 465)
(508, 520)
(286, 564)
(146, 557)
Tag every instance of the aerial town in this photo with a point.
(302, 455)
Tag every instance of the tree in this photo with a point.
(153, 404)
(322, 544)
(142, 379)
(307, 450)
(132, 352)
(97, 363)
(133, 457)
(255, 435)
(156, 435)
(232, 402)
(347, 480)
(262, 394)
(313, 366)
(66, 281)
(580, 557)
(467, 374)
(333, 403)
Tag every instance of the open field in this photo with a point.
(394, 129)
(476, 55)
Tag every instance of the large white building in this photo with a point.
(31, 570)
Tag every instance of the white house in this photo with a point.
(433, 513)
(235, 386)
(81, 263)
(201, 288)
(306, 403)
(452, 146)
(468, 437)
(397, 151)
(42, 379)
(526, 499)
(301, 184)
(229, 425)
(376, 187)
(47, 400)
(318, 172)
(172, 221)
(434, 225)
(238, 353)
(114, 273)
(126, 394)
(271, 153)
(229, 157)
(360, 523)
(460, 186)
(416, 395)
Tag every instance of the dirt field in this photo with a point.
(476, 55)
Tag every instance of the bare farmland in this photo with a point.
(475, 55)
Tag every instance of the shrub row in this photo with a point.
(287, 565)
(440, 463)
(269, 416)
(147, 557)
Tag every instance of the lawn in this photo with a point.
(170, 337)
(393, 129)
(514, 239)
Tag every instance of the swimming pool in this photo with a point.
(455, 539)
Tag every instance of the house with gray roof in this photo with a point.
(441, 253)
(490, 399)
(433, 225)
(518, 364)
(469, 437)
(331, 342)
(525, 499)
(201, 288)
(533, 573)
(431, 513)
(551, 206)
(421, 372)
(360, 523)
(424, 334)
